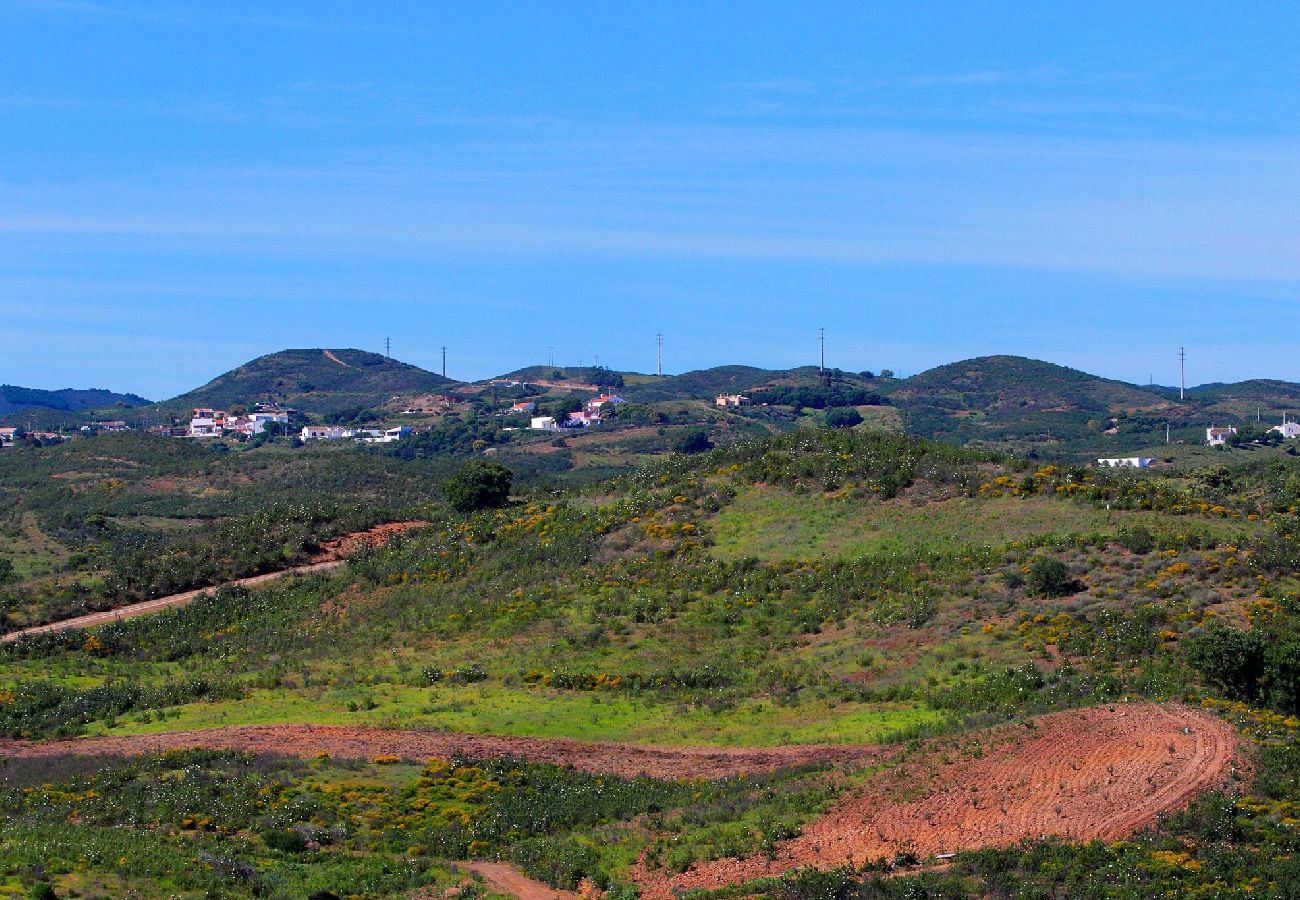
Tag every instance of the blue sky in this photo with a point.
(186, 186)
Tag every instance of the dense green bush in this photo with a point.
(1049, 577)
(479, 484)
(843, 417)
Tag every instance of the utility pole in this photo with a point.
(388, 348)
(444, 362)
(1166, 432)
(1182, 373)
(550, 357)
(659, 343)
(821, 361)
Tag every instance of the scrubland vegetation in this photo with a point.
(820, 585)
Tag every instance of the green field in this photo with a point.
(494, 709)
(773, 523)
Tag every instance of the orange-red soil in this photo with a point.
(628, 760)
(1096, 773)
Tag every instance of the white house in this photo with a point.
(581, 420)
(1287, 429)
(1126, 462)
(8, 435)
(257, 421)
(732, 400)
(389, 435)
(321, 433)
(596, 404)
(1217, 437)
(206, 422)
(543, 423)
(527, 406)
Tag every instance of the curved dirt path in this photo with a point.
(627, 760)
(506, 879)
(1097, 773)
(333, 554)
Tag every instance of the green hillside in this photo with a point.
(315, 381)
(1011, 398)
(53, 409)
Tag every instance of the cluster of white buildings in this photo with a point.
(589, 416)
(206, 422)
(1126, 462)
(10, 434)
(369, 435)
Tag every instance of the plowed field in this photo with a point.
(1096, 773)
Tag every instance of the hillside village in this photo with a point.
(1026, 406)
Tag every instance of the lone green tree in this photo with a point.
(693, 440)
(1049, 577)
(843, 417)
(480, 484)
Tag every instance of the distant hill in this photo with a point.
(61, 407)
(314, 381)
(701, 384)
(1000, 398)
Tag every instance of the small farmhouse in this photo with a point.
(596, 404)
(205, 422)
(1217, 437)
(1288, 430)
(322, 433)
(732, 400)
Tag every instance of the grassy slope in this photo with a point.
(777, 524)
(369, 637)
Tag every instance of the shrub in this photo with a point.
(479, 484)
(1049, 577)
(285, 839)
(843, 417)
(693, 440)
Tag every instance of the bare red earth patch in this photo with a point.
(1096, 773)
(628, 760)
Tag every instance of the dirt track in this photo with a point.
(1098, 773)
(344, 742)
(506, 879)
(332, 555)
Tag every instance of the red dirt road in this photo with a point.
(332, 555)
(506, 879)
(1097, 773)
(628, 760)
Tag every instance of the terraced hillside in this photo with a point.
(792, 635)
